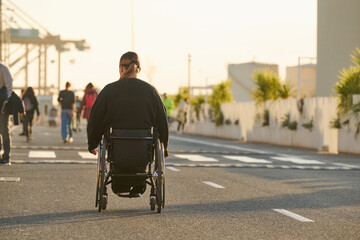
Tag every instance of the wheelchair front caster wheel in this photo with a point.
(104, 202)
(152, 203)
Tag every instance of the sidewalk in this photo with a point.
(48, 137)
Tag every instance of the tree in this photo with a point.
(349, 83)
(221, 93)
(267, 83)
(196, 103)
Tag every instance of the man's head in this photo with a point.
(164, 95)
(67, 85)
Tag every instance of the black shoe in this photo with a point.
(135, 195)
(5, 163)
(22, 134)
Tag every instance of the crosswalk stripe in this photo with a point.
(87, 155)
(196, 158)
(296, 160)
(247, 159)
(9, 179)
(213, 184)
(42, 154)
(173, 169)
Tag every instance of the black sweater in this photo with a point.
(130, 104)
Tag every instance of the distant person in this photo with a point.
(88, 100)
(183, 109)
(76, 118)
(31, 105)
(67, 100)
(169, 105)
(23, 119)
(6, 85)
(52, 116)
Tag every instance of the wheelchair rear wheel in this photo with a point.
(101, 195)
(160, 179)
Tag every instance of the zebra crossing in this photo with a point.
(192, 160)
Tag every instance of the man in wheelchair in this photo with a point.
(128, 104)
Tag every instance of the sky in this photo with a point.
(215, 33)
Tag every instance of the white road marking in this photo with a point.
(247, 159)
(173, 169)
(9, 179)
(218, 145)
(213, 184)
(296, 160)
(87, 155)
(42, 154)
(346, 165)
(53, 161)
(293, 215)
(196, 158)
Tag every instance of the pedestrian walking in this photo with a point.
(53, 116)
(67, 100)
(169, 105)
(6, 85)
(77, 115)
(88, 100)
(22, 118)
(31, 105)
(182, 114)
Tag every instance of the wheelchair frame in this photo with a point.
(156, 178)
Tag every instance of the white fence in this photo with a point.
(321, 111)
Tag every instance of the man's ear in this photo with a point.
(139, 69)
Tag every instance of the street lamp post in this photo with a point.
(132, 26)
(189, 87)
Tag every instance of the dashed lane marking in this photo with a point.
(42, 154)
(196, 158)
(296, 160)
(173, 169)
(87, 155)
(213, 184)
(293, 215)
(247, 159)
(9, 179)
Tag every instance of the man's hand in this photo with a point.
(166, 154)
(93, 152)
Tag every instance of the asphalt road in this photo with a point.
(216, 189)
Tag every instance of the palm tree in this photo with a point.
(268, 85)
(349, 83)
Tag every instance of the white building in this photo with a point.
(338, 34)
(305, 81)
(240, 76)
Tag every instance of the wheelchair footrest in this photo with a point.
(132, 175)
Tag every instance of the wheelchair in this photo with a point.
(129, 160)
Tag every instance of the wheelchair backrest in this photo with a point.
(130, 150)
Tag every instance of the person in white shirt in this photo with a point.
(6, 83)
(183, 109)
